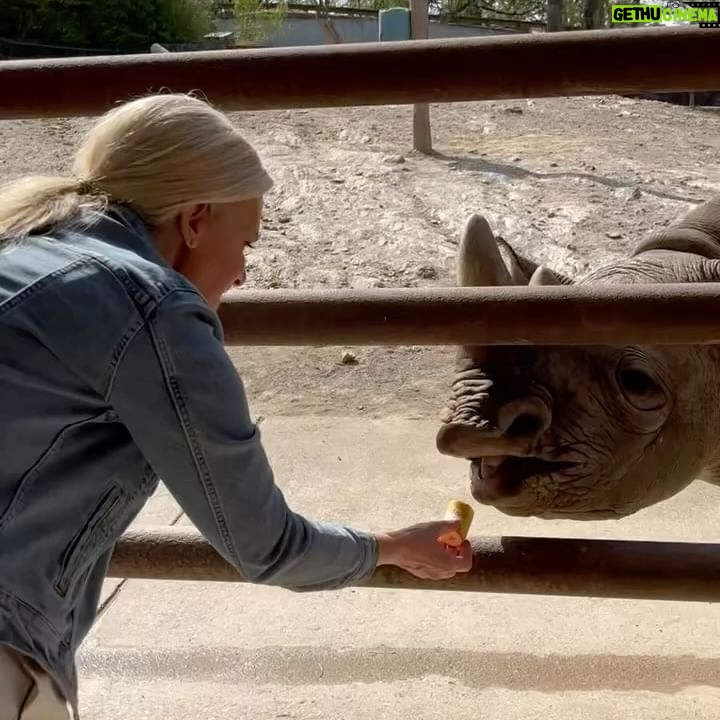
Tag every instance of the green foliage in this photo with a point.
(184, 20)
(384, 4)
(576, 13)
(256, 20)
(122, 25)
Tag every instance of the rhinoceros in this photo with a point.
(587, 432)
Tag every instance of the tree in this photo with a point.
(110, 25)
(554, 15)
(257, 19)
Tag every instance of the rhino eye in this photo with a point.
(640, 388)
(637, 382)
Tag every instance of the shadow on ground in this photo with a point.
(478, 670)
(479, 165)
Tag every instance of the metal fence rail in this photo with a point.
(525, 565)
(425, 71)
(557, 315)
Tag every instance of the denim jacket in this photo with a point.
(113, 374)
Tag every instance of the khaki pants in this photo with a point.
(26, 691)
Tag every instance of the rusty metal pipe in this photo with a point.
(554, 315)
(647, 570)
(422, 71)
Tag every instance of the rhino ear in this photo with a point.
(480, 263)
(697, 232)
(527, 272)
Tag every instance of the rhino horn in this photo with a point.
(480, 263)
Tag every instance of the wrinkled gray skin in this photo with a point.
(587, 432)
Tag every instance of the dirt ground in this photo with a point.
(572, 182)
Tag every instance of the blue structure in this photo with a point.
(302, 29)
(394, 24)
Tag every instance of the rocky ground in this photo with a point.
(572, 182)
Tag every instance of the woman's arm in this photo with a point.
(184, 405)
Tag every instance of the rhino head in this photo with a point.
(587, 432)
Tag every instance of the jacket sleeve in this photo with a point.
(182, 401)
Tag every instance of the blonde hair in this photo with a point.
(157, 154)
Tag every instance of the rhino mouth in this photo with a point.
(500, 477)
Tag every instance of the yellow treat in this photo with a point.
(457, 510)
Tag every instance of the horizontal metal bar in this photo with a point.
(587, 62)
(556, 315)
(647, 570)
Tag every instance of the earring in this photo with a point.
(192, 243)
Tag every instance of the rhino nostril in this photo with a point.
(524, 426)
(524, 419)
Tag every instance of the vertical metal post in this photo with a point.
(419, 25)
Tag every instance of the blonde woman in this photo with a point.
(113, 374)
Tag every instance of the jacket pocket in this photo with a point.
(83, 547)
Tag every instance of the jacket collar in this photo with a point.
(139, 238)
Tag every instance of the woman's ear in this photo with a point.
(193, 222)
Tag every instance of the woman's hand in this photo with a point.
(418, 550)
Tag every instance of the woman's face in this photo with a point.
(210, 245)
